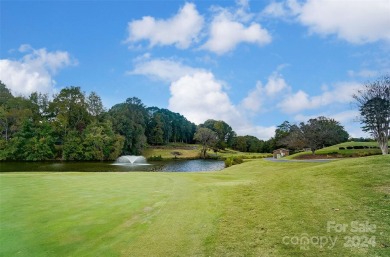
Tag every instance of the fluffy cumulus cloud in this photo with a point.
(344, 117)
(163, 69)
(276, 85)
(200, 97)
(34, 71)
(260, 132)
(341, 93)
(180, 30)
(286, 9)
(229, 29)
(358, 22)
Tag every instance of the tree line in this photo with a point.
(72, 125)
(75, 126)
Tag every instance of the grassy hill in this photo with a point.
(258, 208)
(191, 151)
(336, 151)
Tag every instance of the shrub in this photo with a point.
(230, 161)
(176, 153)
(237, 160)
(155, 158)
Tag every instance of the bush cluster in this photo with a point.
(358, 147)
(230, 161)
(155, 158)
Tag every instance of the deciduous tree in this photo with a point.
(374, 107)
(207, 138)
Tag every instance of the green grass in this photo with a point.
(187, 151)
(192, 151)
(335, 152)
(245, 210)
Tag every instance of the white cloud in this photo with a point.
(364, 73)
(260, 132)
(358, 22)
(342, 117)
(275, 84)
(355, 21)
(200, 97)
(255, 98)
(341, 93)
(226, 34)
(284, 9)
(180, 30)
(295, 102)
(261, 94)
(34, 71)
(163, 69)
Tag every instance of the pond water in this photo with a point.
(165, 166)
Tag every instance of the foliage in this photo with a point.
(207, 138)
(165, 126)
(230, 161)
(315, 134)
(69, 111)
(129, 120)
(100, 142)
(249, 144)
(155, 158)
(31, 143)
(95, 105)
(374, 106)
(68, 127)
(225, 133)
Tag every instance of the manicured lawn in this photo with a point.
(186, 151)
(257, 208)
(192, 151)
(335, 152)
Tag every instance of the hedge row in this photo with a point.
(359, 147)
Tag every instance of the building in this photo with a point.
(281, 152)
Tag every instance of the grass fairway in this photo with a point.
(257, 208)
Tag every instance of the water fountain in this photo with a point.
(131, 160)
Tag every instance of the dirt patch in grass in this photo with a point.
(384, 189)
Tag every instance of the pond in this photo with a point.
(165, 166)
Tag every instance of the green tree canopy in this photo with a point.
(225, 133)
(207, 138)
(374, 106)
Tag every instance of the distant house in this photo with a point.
(281, 152)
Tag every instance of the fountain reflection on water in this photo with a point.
(131, 160)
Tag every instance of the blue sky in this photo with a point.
(252, 64)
